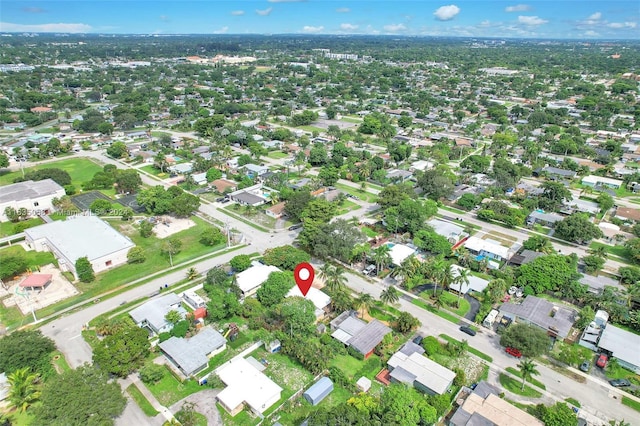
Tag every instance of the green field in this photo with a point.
(170, 390)
(632, 403)
(80, 169)
(10, 228)
(515, 386)
(618, 251)
(277, 155)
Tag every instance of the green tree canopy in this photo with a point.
(22, 349)
(122, 352)
(285, 257)
(551, 272)
(531, 340)
(79, 397)
(577, 228)
(275, 288)
(85, 270)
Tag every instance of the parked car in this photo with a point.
(294, 227)
(466, 329)
(619, 383)
(418, 339)
(585, 366)
(602, 361)
(221, 199)
(513, 352)
(226, 200)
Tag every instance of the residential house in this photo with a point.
(191, 355)
(276, 211)
(452, 232)
(361, 336)
(250, 280)
(476, 284)
(199, 178)
(627, 214)
(554, 319)
(621, 344)
(421, 165)
(251, 196)
(555, 172)
(223, 185)
(152, 314)
(76, 237)
(546, 219)
(396, 175)
(181, 169)
(255, 170)
(400, 252)
(320, 299)
(483, 406)
(36, 197)
(246, 385)
(488, 248)
(410, 366)
(601, 182)
(524, 257)
(580, 206)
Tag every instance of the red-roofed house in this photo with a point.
(36, 282)
(40, 109)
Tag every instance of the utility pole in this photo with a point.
(227, 226)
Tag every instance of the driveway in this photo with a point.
(473, 310)
(205, 404)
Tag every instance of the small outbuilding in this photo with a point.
(36, 282)
(316, 393)
(363, 384)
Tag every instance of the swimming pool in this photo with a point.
(390, 245)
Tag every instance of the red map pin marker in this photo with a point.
(304, 274)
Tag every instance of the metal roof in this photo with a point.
(81, 236)
(621, 343)
(539, 312)
(28, 190)
(154, 311)
(368, 337)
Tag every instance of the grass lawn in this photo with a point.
(474, 351)
(351, 120)
(618, 251)
(142, 402)
(60, 362)
(363, 195)
(530, 380)
(169, 390)
(243, 418)
(347, 206)
(9, 228)
(369, 232)
(356, 368)
(24, 418)
(277, 154)
(573, 402)
(440, 313)
(155, 261)
(451, 300)
(632, 403)
(154, 171)
(452, 209)
(381, 315)
(311, 129)
(515, 386)
(34, 258)
(80, 169)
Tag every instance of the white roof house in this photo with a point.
(623, 345)
(246, 385)
(450, 231)
(320, 299)
(251, 279)
(487, 248)
(593, 180)
(476, 284)
(417, 370)
(77, 237)
(400, 252)
(30, 195)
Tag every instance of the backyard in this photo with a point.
(170, 390)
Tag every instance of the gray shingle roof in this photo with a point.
(539, 312)
(191, 354)
(155, 310)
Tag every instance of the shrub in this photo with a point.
(180, 328)
(240, 262)
(432, 346)
(136, 255)
(164, 336)
(152, 373)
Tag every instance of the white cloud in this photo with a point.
(348, 27)
(446, 13)
(518, 8)
(531, 20)
(222, 30)
(265, 12)
(394, 28)
(591, 33)
(617, 25)
(310, 29)
(45, 28)
(164, 18)
(595, 17)
(485, 23)
(33, 9)
(343, 10)
(237, 12)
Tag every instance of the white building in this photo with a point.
(488, 248)
(250, 280)
(320, 299)
(476, 284)
(594, 181)
(399, 253)
(35, 197)
(246, 385)
(78, 237)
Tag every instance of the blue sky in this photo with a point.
(577, 19)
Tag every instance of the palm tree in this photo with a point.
(462, 279)
(406, 269)
(381, 257)
(24, 389)
(527, 370)
(364, 302)
(325, 271)
(599, 251)
(192, 274)
(336, 280)
(390, 295)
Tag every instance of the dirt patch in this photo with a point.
(167, 226)
(26, 300)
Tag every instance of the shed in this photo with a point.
(363, 384)
(316, 393)
(274, 346)
(200, 313)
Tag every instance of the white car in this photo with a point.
(513, 290)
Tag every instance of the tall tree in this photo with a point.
(337, 281)
(365, 302)
(527, 370)
(381, 257)
(462, 279)
(24, 388)
(390, 295)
